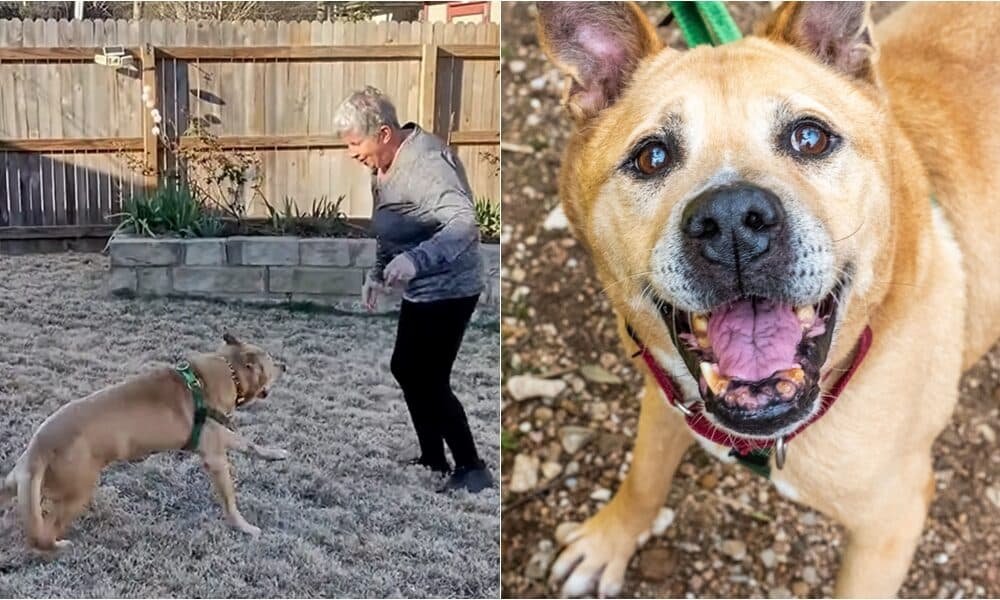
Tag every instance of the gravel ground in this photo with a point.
(731, 534)
(339, 518)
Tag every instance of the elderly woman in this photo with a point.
(428, 244)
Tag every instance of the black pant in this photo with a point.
(427, 343)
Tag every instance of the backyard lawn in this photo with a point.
(340, 517)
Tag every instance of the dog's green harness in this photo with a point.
(201, 410)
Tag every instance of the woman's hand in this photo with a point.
(399, 270)
(369, 294)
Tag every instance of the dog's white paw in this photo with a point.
(62, 544)
(595, 558)
(250, 530)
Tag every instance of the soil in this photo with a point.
(558, 323)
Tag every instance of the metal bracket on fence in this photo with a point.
(116, 56)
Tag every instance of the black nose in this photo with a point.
(734, 224)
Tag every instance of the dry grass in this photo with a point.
(339, 518)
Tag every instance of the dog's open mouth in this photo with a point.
(757, 360)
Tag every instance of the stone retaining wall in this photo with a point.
(325, 271)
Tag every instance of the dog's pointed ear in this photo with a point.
(838, 34)
(598, 45)
(231, 339)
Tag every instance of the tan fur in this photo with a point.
(915, 125)
(149, 413)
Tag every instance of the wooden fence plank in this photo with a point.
(87, 115)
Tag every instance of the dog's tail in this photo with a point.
(28, 474)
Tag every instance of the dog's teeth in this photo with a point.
(699, 323)
(785, 389)
(703, 342)
(806, 315)
(715, 382)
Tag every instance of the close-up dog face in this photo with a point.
(721, 192)
(259, 368)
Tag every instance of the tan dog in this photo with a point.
(149, 413)
(752, 209)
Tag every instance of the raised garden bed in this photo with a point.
(282, 269)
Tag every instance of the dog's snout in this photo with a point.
(733, 224)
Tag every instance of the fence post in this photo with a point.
(151, 141)
(428, 85)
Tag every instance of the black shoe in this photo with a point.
(472, 479)
(437, 467)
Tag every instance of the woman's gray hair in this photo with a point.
(364, 111)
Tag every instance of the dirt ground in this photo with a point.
(732, 535)
(339, 518)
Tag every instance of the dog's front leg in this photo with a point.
(883, 538)
(598, 551)
(241, 444)
(218, 467)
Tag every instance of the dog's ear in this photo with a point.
(838, 34)
(598, 45)
(231, 339)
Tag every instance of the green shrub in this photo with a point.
(171, 209)
(488, 217)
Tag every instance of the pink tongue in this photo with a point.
(753, 339)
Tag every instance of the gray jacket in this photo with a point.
(423, 207)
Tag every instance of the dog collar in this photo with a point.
(240, 396)
(201, 410)
(753, 453)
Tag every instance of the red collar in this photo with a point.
(744, 445)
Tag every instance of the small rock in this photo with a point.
(779, 592)
(598, 374)
(538, 565)
(662, 521)
(538, 83)
(601, 495)
(599, 411)
(800, 589)
(517, 66)
(551, 470)
(574, 438)
(572, 468)
(810, 576)
(696, 583)
(543, 414)
(993, 494)
(564, 530)
(523, 387)
(556, 221)
(517, 275)
(941, 558)
(708, 481)
(524, 476)
(808, 519)
(734, 549)
(987, 433)
(524, 427)
(768, 558)
(657, 564)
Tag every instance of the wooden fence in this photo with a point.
(72, 131)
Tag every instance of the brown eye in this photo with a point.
(809, 140)
(652, 159)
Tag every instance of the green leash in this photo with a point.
(201, 410)
(705, 23)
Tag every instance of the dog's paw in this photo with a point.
(250, 530)
(595, 557)
(61, 545)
